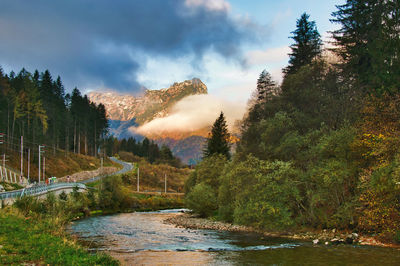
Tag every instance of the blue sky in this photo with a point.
(228, 79)
(124, 45)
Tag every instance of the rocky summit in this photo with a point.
(150, 104)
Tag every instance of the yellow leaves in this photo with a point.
(379, 213)
(233, 139)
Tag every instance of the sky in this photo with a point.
(124, 46)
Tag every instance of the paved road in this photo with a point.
(126, 168)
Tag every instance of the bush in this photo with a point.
(266, 193)
(207, 171)
(63, 196)
(202, 200)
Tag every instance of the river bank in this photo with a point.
(35, 240)
(318, 237)
(144, 238)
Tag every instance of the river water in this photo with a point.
(142, 238)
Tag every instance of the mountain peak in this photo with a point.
(153, 103)
(188, 87)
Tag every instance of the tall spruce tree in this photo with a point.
(307, 44)
(369, 44)
(266, 87)
(218, 140)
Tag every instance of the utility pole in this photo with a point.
(40, 153)
(138, 179)
(4, 166)
(44, 169)
(29, 163)
(22, 156)
(4, 157)
(165, 183)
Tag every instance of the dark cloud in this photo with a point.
(100, 42)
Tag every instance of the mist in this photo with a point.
(193, 113)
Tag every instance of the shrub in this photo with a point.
(207, 171)
(266, 193)
(202, 200)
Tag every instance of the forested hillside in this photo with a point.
(321, 149)
(36, 107)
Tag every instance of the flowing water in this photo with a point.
(142, 238)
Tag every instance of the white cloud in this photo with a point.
(193, 113)
(273, 55)
(215, 5)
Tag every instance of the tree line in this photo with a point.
(37, 107)
(145, 148)
(321, 148)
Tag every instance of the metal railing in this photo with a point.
(40, 189)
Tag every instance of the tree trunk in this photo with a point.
(79, 139)
(66, 140)
(8, 123)
(54, 137)
(86, 146)
(95, 146)
(75, 136)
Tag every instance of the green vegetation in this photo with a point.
(26, 240)
(9, 186)
(152, 175)
(36, 107)
(218, 141)
(33, 232)
(321, 150)
(146, 149)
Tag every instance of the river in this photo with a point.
(142, 238)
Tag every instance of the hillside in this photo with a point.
(152, 175)
(189, 149)
(58, 164)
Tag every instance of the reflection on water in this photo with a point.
(143, 238)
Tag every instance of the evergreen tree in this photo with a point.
(307, 44)
(218, 140)
(369, 44)
(266, 87)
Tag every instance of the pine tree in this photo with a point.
(218, 140)
(266, 87)
(307, 44)
(369, 44)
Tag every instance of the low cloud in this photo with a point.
(191, 114)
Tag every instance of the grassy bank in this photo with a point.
(152, 175)
(59, 164)
(40, 240)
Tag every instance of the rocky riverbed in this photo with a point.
(324, 237)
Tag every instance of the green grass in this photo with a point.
(27, 240)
